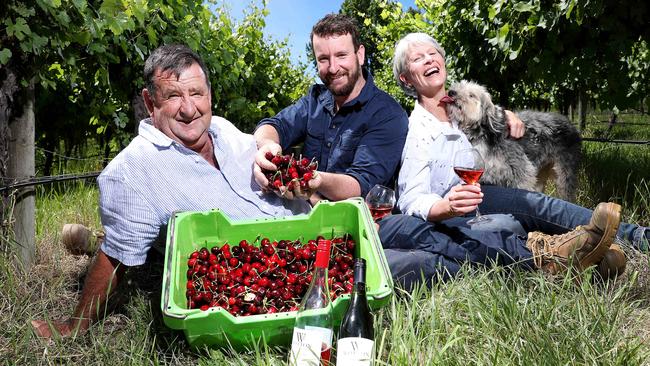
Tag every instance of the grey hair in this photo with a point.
(172, 57)
(400, 57)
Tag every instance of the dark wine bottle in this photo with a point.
(356, 336)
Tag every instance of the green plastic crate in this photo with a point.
(188, 231)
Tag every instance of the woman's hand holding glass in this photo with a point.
(462, 199)
(469, 166)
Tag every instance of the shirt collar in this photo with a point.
(157, 138)
(427, 120)
(153, 135)
(367, 92)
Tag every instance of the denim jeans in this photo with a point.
(417, 249)
(499, 222)
(539, 212)
(411, 266)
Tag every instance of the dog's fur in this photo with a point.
(550, 147)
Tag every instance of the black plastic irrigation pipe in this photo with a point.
(633, 142)
(48, 179)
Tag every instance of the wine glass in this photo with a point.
(380, 201)
(469, 166)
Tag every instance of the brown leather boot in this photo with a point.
(613, 263)
(581, 248)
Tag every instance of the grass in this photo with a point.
(504, 318)
(618, 172)
(487, 316)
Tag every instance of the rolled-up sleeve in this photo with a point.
(378, 154)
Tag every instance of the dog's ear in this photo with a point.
(493, 117)
(486, 101)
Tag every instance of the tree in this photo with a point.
(397, 24)
(536, 53)
(370, 15)
(575, 49)
(252, 77)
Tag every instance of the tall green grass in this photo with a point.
(486, 317)
(515, 318)
(618, 172)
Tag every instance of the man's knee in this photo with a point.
(500, 222)
(411, 267)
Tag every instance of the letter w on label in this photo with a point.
(305, 348)
(354, 351)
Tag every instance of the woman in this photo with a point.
(428, 187)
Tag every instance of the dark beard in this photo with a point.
(347, 88)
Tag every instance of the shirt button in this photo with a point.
(333, 127)
(329, 144)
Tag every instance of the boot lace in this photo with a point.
(543, 246)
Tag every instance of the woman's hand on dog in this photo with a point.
(516, 127)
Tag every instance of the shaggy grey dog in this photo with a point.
(550, 148)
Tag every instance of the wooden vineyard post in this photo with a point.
(21, 166)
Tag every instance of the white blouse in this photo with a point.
(427, 173)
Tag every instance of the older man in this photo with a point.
(182, 159)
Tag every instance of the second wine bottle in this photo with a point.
(356, 336)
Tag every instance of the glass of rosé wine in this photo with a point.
(469, 167)
(380, 201)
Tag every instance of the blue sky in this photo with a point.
(293, 18)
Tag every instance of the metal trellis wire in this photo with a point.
(43, 180)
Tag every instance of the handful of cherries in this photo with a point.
(291, 173)
(247, 279)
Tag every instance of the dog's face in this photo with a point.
(472, 103)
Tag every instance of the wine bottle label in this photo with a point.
(354, 351)
(325, 334)
(308, 344)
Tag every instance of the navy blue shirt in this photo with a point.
(363, 139)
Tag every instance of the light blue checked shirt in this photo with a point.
(155, 176)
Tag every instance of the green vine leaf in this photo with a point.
(19, 29)
(5, 55)
(523, 7)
